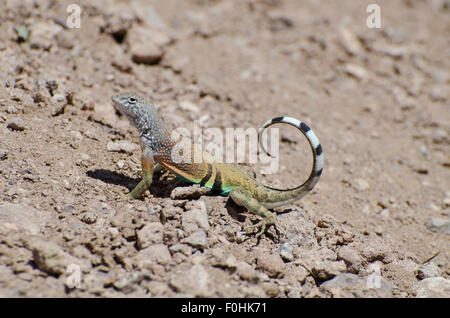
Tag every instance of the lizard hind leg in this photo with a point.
(243, 198)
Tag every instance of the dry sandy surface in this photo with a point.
(378, 99)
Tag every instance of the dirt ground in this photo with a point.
(376, 225)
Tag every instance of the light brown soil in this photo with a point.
(378, 99)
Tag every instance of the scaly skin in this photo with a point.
(159, 148)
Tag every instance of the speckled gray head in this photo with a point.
(130, 104)
(143, 115)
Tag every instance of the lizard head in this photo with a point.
(130, 104)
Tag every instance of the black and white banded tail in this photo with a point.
(299, 191)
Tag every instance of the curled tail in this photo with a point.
(292, 195)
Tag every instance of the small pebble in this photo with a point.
(16, 124)
(438, 225)
(440, 136)
(146, 53)
(428, 270)
(121, 146)
(272, 265)
(286, 253)
(197, 239)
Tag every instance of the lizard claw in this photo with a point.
(262, 225)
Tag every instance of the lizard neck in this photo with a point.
(153, 132)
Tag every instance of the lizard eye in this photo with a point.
(132, 100)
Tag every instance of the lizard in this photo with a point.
(159, 149)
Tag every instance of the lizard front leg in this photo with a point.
(243, 198)
(148, 166)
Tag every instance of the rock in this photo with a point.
(402, 98)
(76, 135)
(271, 264)
(117, 22)
(188, 193)
(64, 39)
(376, 249)
(351, 258)
(324, 270)
(128, 283)
(279, 21)
(438, 93)
(271, 289)
(440, 75)
(438, 225)
(195, 282)
(428, 270)
(434, 287)
(395, 51)
(350, 41)
(3, 154)
(361, 184)
(197, 239)
(356, 71)
(42, 35)
(230, 262)
(94, 282)
(170, 212)
(89, 217)
(122, 146)
(181, 248)
(16, 123)
(384, 213)
(440, 136)
(24, 218)
(147, 44)
(150, 234)
(146, 53)
(201, 217)
(22, 33)
(51, 258)
(396, 35)
(106, 114)
(351, 285)
(189, 106)
(445, 202)
(11, 109)
(286, 252)
(157, 289)
(247, 272)
(155, 254)
(197, 215)
(188, 222)
(114, 232)
(327, 222)
(59, 98)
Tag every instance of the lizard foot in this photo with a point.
(262, 225)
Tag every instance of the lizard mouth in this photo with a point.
(115, 101)
(120, 104)
(117, 104)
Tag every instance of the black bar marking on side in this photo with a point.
(217, 186)
(208, 175)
